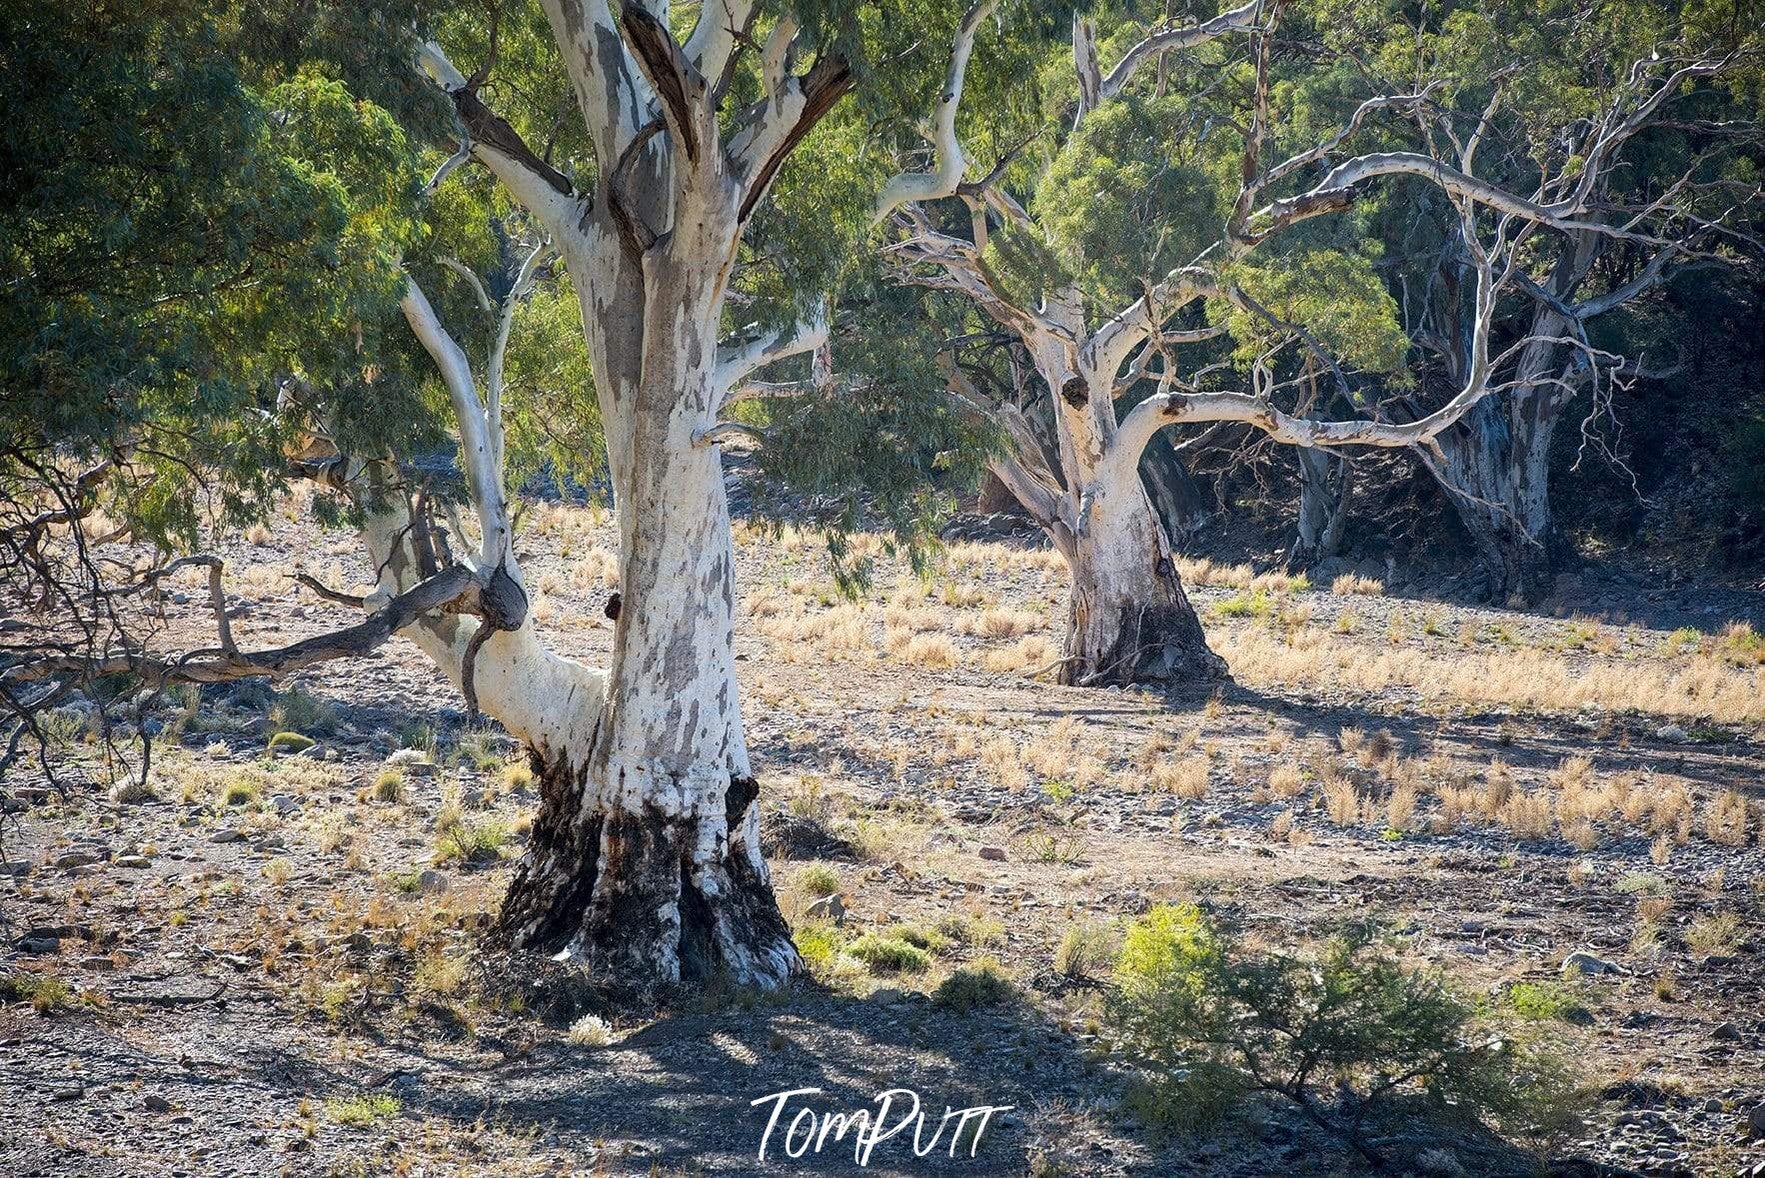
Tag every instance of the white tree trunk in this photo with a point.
(1323, 508)
(1128, 619)
(646, 861)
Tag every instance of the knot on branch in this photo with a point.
(501, 605)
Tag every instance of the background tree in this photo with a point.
(1215, 218)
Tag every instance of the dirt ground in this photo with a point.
(266, 963)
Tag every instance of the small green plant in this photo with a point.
(1085, 950)
(477, 747)
(1643, 883)
(818, 880)
(887, 955)
(1058, 845)
(471, 842)
(1715, 934)
(1542, 1001)
(930, 940)
(1338, 1032)
(238, 791)
(419, 735)
(291, 742)
(389, 786)
(1257, 603)
(46, 993)
(300, 711)
(819, 946)
(362, 1110)
(982, 983)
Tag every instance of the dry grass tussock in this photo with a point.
(1525, 678)
(1203, 571)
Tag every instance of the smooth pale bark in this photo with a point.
(644, 863)
(1128, 619)
(1323, 508)
(646, 859)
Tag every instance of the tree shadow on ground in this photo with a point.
(672, 1097)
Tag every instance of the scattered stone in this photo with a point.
(285, 803)
(432, 882)
(135, 861)
(1756, 1121)
(406, 757)
(75, 859)
(996, 854)
(1583, 962)
(1672, 732)
(1712, 1105)
(37, 944)
(153, 1102)
(1726, 1033)
(830, 908)
(226, 835)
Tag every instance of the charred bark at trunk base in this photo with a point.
(1128, 619)
(634, 899)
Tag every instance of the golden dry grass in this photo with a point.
(1524, 678)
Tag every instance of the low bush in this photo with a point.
(971, 987)
(884, 955)
(1341, 1033)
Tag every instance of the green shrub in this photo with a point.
(885, 955)
(300, 711)
(1084, 950)
(1341, 1033)
(818, 880)
(294, 742)
(389, 786)
(46, 993)
(1542, 1000)
(238, 791)
(362, 1110)
(471, 842)
(930, 940)
(819, 945)
(1255, 604)
(477, 748)
(983, 983)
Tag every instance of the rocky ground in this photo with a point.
(262, 963)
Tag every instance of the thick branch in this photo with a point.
(734, 366)
(1167, 40)
(219, 666)
(943, 180)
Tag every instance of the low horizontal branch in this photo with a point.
(447, 587)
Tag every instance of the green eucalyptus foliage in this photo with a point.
(181, 238)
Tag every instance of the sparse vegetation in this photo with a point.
(1337, 1031)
